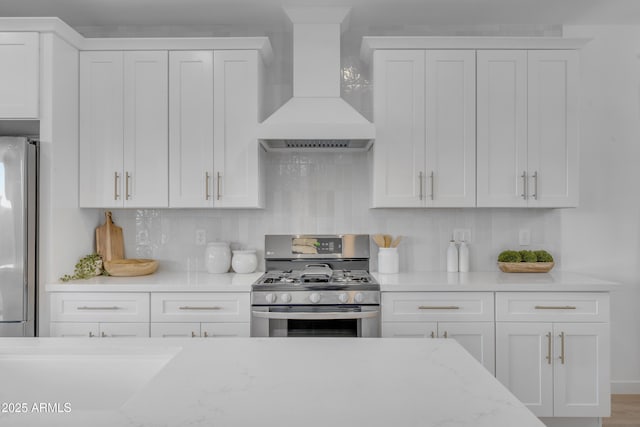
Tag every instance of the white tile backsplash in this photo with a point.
(330, 193)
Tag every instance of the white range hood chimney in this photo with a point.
(316, 117)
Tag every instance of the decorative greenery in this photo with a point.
(528, 256)
(509, 256)
(543, 256)
(86, 268)
(525, 256)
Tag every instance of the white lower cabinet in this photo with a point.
(557, 368)
(102, 330)
(466, 317)
(200, 314)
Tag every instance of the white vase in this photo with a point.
(217, 257)
(245, 261)
(388, 260)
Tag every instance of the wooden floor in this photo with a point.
(625, 411)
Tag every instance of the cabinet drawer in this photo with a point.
(99, 307)
(437, 306)
(200, 307)
(552, 307)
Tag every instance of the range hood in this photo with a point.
(316, 117)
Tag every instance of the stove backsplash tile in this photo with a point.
(330, 193)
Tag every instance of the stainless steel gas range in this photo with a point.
(316, 285)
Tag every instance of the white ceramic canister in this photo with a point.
(245, 261)
(217, 257)
(388, 260)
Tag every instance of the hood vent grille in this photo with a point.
(317, 144)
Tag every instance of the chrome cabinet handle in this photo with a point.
(103, 335)
(127, 178)
(548, 348)
(190, 307)
(445, 334)
(433, 334)
(438, 307)
(207, 196)
(91, 334)
(535, 185)
(206, 335)
(315, 316)
(431, 183)
(555, 307)
(219, 178)
(116, 177)
(562, 359)
(84, 307)
(420, 181)
(193, 334)
(524, 185)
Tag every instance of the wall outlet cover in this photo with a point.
(201, 237)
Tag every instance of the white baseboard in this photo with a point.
(625, 387)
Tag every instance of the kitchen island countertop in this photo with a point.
(271, 382)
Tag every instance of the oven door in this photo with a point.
(315, 321)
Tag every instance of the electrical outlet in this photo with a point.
(524, 237)
(462, 234)
(201, 237)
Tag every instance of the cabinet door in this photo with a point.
(451, 128)
(399, 115)
(553, 128)
(101, 129)
(146, 167)
(124, 330)
(175, 330)
(524, 363)
(74, 330)
(409, 329)
(191, 129)
(19, 75)
(235, 111)
(581, 370)
(478, 338)
(224, 330)
(502, 128)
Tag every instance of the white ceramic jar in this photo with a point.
(217, 257)
(245, 261)
(388, 260)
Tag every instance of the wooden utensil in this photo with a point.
(379, 239)
(109, 241)
(396, 242)
(387, 241)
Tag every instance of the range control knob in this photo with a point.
(285, 298)
(359, 298)
(343, 297)
(271, 298)
(314, 297)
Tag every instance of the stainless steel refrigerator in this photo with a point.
(18, 235)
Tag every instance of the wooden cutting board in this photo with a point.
(109, 241)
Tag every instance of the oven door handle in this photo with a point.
(315, 316)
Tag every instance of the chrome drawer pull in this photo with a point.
(189, 307)
(549, 348)
(562, 358)
(555, 307)
(84, 307)
(439, 307)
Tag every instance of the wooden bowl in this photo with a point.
(130, 267)
(525, 267)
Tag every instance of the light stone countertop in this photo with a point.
(161, 281)
(554, 281)
(198, 281)
(282, 382)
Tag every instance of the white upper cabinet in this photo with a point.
(191, 129)
(399, 116)
(236, 156)
(123, 129)
(527, 128)
(19, 75)
(451, 128)
(424, 111)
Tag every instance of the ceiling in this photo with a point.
(103, 13)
